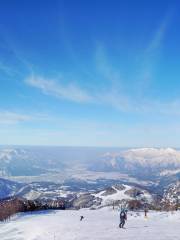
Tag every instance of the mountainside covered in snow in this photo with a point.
(8, 188)
(80, 196)
(97, 225)
(115, 195)
(26, 162)
(74, 197)
(146, 163)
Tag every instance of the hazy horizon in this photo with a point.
(78, 146)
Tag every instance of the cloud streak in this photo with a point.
(115, 92)
(14, 117)
(110, 96)
(152, 52)
(52, 87)
(159, 34)
(7, 117)
(104, 97)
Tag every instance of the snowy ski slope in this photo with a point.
(97, 225)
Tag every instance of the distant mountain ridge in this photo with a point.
(25, 162)
(147, 163)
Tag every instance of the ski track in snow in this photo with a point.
(97, 225)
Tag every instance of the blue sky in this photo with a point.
(90, 73)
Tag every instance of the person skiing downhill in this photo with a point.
(123, 218)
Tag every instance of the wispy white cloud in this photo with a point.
(113, 98)
(7, 117)
(128, 104)
(160, 33)
(114, 91)
(114, 94)
(118, 96)
(109, 97)
(152, 52)
(53, 87)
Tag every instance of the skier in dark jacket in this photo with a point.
(123, 218)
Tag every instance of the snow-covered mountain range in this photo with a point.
(147, 163)
(140, 162)
(26, 162)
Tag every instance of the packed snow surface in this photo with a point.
(97, 225)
